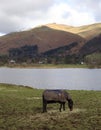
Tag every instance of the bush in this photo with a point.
(93, 59)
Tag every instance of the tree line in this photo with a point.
(30, 54)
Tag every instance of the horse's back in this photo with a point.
(54, 95)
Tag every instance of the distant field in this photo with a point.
(21, 109)
(47, 65)
(22, 65)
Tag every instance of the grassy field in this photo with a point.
(21, 109)
(46, 65)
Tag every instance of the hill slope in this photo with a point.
(87, 31)
(53, 40)
(44, 37)
(93, 45)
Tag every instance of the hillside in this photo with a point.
(87, 31)
(93, 45)
(44, 37)
(53, 41)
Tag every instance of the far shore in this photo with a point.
(49, 66)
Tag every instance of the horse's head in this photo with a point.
(70, 104)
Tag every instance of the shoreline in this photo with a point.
(41, 89)
(46, 66)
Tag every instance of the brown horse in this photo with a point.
(56, 96)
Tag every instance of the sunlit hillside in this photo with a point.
(87, 31)
(52, 40)
(44, 37)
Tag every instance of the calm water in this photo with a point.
(78, 79)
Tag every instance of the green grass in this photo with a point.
(21, 109)
(46, 65)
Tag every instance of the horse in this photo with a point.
(56, 96)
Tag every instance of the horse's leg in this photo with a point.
(64, 106)
(45, 107)
(60, 107)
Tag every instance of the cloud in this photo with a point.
(89, 6)
(63, 13)
(17, 15)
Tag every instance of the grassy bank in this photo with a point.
(46, 65)
(21, 109)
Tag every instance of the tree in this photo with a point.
(93, 59)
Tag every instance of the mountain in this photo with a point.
(44, 37)
(87, 31)
(92, 46)
(52, 40)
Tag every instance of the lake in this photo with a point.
(66, 78)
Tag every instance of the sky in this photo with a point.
(19, 15)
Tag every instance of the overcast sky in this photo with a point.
(18, 15)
